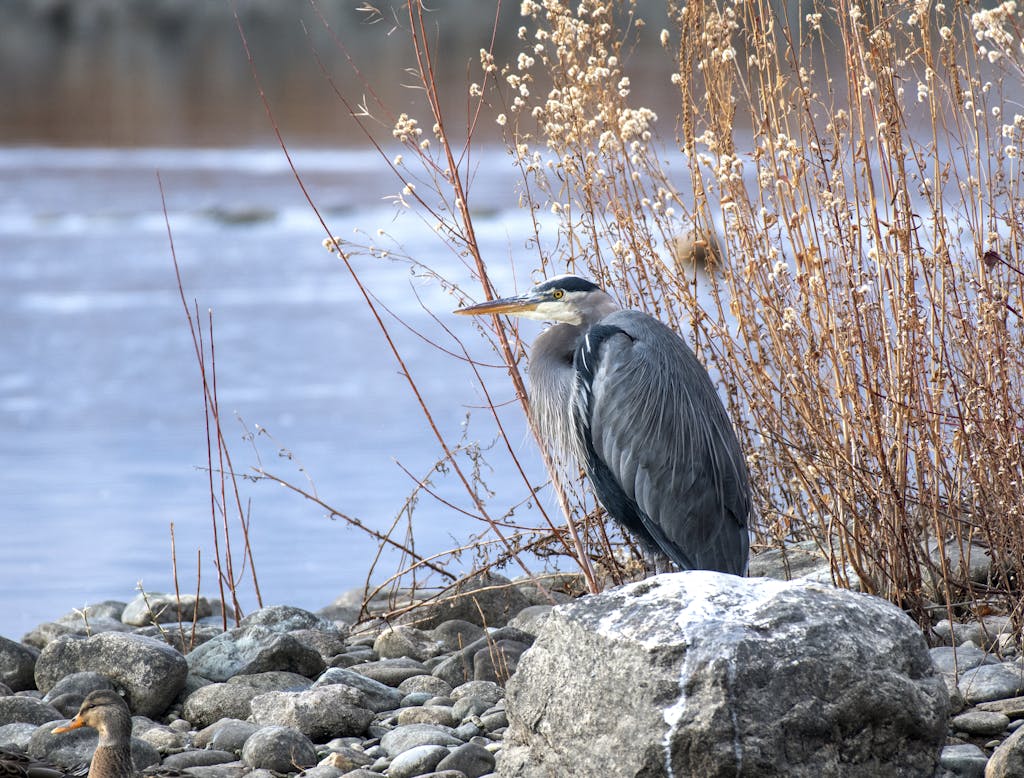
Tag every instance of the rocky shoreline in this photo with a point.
(292, 691)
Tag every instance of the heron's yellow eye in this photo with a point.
(558, 294)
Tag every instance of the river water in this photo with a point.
(100, 401)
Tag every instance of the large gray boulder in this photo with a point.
(701, 673)
(149, 671)
(17, 665)
(253, 649)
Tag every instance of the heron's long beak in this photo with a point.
(518, 304)
(75, 723)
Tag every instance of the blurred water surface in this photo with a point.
(100, 400)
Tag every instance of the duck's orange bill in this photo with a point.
(75, 723)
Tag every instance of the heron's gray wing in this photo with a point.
(661, 450)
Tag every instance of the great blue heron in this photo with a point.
(623, 394)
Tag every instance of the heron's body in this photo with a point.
(624, 395)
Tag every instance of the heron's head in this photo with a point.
(567, 298)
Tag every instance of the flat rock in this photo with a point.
(329, 711)
(950, 659)
(980, 722)
(390, 672)
(420, 760)
(1012, 707)
(374, 695)
(402, 739)
(229, 770)
(280, 749)
(149, 672)
(427, 714)
(253, 649)
(425, 683)
(17, 665)
(992, 682)
(198, 758)
(738, 677)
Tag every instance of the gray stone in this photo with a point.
(272, 681)
(375, 695)
(456, 634)
(405, 641)
(17, 665)
(182, 637)
(700, 673)
(949, 659)
(980, 722)
(483, 690)
(44, 634)
(88, 616)
(390, 672)
(467, 707)
(460, 666)
(197, 758)
(964, 761)
(77, 686)
(494, 719)
(498, 661)
(16, 735)
(326, 642)
(427, 714)
(485, 599)
(160, 608)
(416, 761)
(531, 619)
(425, 683)
(281, 749)
(1007, 761)
(992, 682)
(285, 618)
(403, 738)
(253, 649)
(149, 672)
(415, 699)
(27, 710)
(225, 735)
(229, 770)
(321, 771)
(470, 759)
(329, 711)
(163, 739)
(219, 701)
(345, 758)
(985, 633)
(1011, 706)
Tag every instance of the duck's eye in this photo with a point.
(558, 294)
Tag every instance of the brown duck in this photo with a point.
(107, 713)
